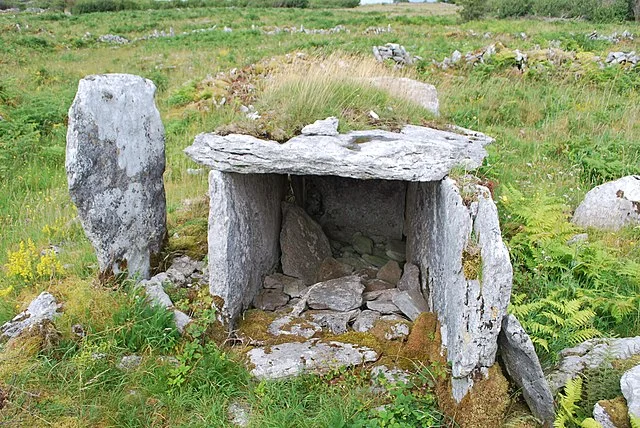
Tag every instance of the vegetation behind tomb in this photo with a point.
(562, 125)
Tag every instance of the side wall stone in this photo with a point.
(442, 230)
(244, 233)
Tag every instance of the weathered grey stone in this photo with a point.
(396, 250)
(522, 364)
(411, 303)
(42, 308)
(304, 244)
(341, 294)
(592, 354)
(376, 261)
(181, 319)
(293, 326)
(328, 126)
(383, 306)
(362, 244)
(244, 230)
(420, 93)
(601, 416)
(439, 228)
(239, 414)
(182, 270)
(415, 154)
(377, 285)
(410, 280)
(576, 239)
(366, 320)
(129, 362)
(630, 386)
(114, 163)
(154, 291)
(354, 261)
(390, 272)
(291, 359)
(270, 300)
(330, 268)
(611, 205)
(345, 206)
(335, 321)
(380, 294)
(397, 331)
(390, 376)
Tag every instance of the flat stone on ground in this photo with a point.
(341, 294)
(270, 300)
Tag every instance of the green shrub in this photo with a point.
(473, 9)
(513, 8)
(91, 6)
(325, 4)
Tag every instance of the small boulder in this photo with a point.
(328, 126)
(411, 303)
(129, 362)
(362, 244)
(377, 285)
(304, 245)
(270, 300)
(341, 294)
(390, 272)
(630, 386)
(383, 306)
(611, 205)
(410, 280)
(366, 320)
(377, 261)
(331, 268)
(41, 309)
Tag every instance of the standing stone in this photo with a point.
(523, 366)
(114, 162)
(611, 205)
(244, 226)
(304, 244)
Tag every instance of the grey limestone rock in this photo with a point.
(238, 238)
(313, 356)
(129, 362)
(362, 244)
(293, 326)
(304, 244)
(414, 154)
(383, 306)
(410, 280)
(390, 272)
(341, 294)
(328, 126)
(396, 250)
(523, 366)
(331, 268)
(377, 285)
(366, 320)
(293, 287)
(335, 321)
(181, 319)
(239, 414)
(611, 205)
(390, 376)
(420, 93)
(591, 354)
(630, 386)
(42, 308)
(397, 331)
(411, 303)
(270, 299)
(156, 295)
(115, 162)
(602, 417)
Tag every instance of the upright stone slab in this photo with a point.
(244, 230)
(446, 237)
(114, 162)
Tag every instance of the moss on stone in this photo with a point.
(472, 265)
(618, 411)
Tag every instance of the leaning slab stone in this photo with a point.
(630, 386)
(304, 244)
(411, 303)
(114, 162)
(42, 308)
(521, 361)
(292, 359)
(244, 229)
(328, 126)
(410, 280)
(591, 354)
(440, 226)
(341, 294)
(390, 272)
(420, 93)
(415, 154)
(611, 205)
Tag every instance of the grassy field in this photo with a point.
(561, 126)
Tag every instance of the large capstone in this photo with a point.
(611, 205)
(244, 230)
(114, 162)
(458, 243)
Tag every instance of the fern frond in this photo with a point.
(582, 335)
(590, 423)
(582, 318)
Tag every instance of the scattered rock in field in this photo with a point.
(366, 320)
(239, 414)
(374, 115)
(611, 205)
(341, 294)
(630, 386)
(411, 303)
(330, 268)
(295, 30)
(114, 39)
(250, 112)
(602, 416)
(450, 61)
(313, 356)
(129, 362)
(591, 354)
(115, 162)
(410, 280)
(522, 363)
(185, 271)
(328, 126)
(290, 325)
(390, 272)
(613, 38)
(378, 30)
(41, 309)
(304, 244)
(623, 58)
(270, 300)
(181, 319)
(394, 52)
(156, 295)
(335, 321)
(389, 376)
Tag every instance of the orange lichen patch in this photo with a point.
(618, 411)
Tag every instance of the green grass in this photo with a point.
(560, 130)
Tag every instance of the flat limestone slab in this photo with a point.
(414, 154)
